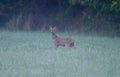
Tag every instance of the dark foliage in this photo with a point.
(101, 16)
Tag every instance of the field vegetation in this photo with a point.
(33, 54)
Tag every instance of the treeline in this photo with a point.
(102, 16)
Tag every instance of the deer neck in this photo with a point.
(54, 35)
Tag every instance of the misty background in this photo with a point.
(27, 48)
(80, 16)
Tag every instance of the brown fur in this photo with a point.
(59, 41)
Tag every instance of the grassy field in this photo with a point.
(33, 54)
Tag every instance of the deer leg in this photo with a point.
(72, 44)
(67, 45)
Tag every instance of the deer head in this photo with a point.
(52, 29)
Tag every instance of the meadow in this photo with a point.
(33, 54)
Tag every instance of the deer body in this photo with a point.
(59, 41)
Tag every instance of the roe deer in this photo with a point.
(59, 41)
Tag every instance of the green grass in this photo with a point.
(33, 54)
